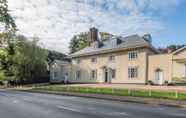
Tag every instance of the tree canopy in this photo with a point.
(29, 60)
(5, 18)
(80, 41)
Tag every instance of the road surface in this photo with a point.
(15, 104)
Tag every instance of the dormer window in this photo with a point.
(93, 59)
(132, 55)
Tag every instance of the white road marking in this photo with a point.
(68, 108)
(15, 101)
(27, 100)
(119, 114)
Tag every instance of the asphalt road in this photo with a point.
(34, 105)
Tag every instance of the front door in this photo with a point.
(106, 76)
(159, 77)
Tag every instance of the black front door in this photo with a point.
(106, 76)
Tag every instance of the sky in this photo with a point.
(55, 22)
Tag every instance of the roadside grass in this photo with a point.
(116, 92)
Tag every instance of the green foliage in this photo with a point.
(179, 80)
(105, 35)
(2, 76)
(175, 47)
(114, 91)
(80, 41)
(6, 18)
(29, 60)
(53, 55)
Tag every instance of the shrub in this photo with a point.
(166, 82)
(2, 76)
(179, 79)
(150, 82)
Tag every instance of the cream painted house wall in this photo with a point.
(179, 64)
(162, 62)
(58, 70)
(172, 65)
(120, 64)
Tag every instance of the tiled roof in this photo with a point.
(110, 45)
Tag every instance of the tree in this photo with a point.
(5, 18)
(80, 41)
(53, 55)
(29, 60)
(175, 47)
(170, 48)
(6, 36)
(105, 36)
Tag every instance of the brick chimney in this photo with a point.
(93, 35)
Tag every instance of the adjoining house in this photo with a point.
(130, 59)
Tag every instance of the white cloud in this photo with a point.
(56, 21)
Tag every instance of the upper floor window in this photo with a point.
(111, 58)
(132, 72)
(94, 74)
(77, 75)
(132, 55)
(93, 59)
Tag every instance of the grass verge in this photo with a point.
(116, 92)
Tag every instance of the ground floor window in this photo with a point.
(132, 72)
(113, 72)
(185, 70)
(93, 74)
(55, 74)
(78, 75)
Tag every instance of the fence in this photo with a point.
(123, 92)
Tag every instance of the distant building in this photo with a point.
(130, 59)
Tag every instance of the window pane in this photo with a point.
(132, 55)
(113, 73)
(93, 74)
(132, 72)
(78, 75)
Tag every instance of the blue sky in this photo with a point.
(56, 21)
(176, 28)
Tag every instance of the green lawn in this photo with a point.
(117, 92)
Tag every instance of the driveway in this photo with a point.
(34, 105)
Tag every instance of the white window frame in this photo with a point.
(132, 55)
(132, 72)
(93, 77)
